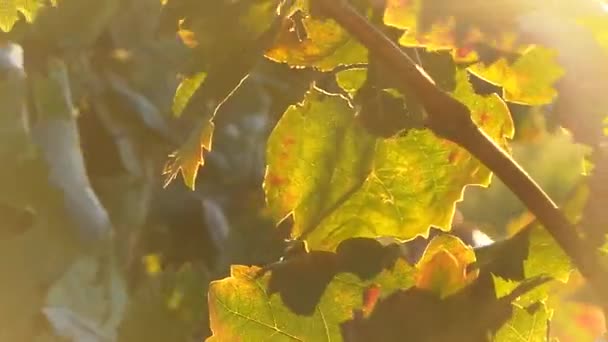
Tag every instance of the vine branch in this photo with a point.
(450, 119)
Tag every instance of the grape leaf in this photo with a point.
(416, 313)
(443, 266)
(185, 90)
(529, 80)
(226, 67)
(302, 277)
(545, 257)
(445, 24)
(240, 307)
(9, 11)
(404, 14)
(525, 326)
(339, 182)
(323, 44)
(319, 136)
(189, 157)
(351, 80)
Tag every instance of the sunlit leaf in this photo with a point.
(241, 308)
(445, 24)
(443, 266)
(9, 11)
(351, 80)
(189, 157)
(525, 326)
(530, 80)
(348, 184)
(185, 90)
(546, 257)
(323, 45)
(300, 162)
(152, 264)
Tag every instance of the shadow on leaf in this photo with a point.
(301, 278)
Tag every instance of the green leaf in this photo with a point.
(525, 326)
(529, 80)
(351, 80)
(317, 156)
(185, 90)
(545, 257)
(240, 307)
(308, 42)
(339, 182)
(9, 11)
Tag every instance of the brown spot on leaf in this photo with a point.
(370, 298)
(483, 118)
(289, 141)
(275, 180)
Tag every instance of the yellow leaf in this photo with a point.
(443, 266)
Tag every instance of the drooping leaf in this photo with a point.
(226, 66)
(529, 80)
(241, 308)
(349, 184)
(189, 157)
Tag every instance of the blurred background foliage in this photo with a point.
(169, 242)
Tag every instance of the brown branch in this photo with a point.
(450, 119)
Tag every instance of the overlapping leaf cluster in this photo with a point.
(339, 178)
(345, 179)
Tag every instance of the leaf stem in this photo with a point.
(450, 119)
